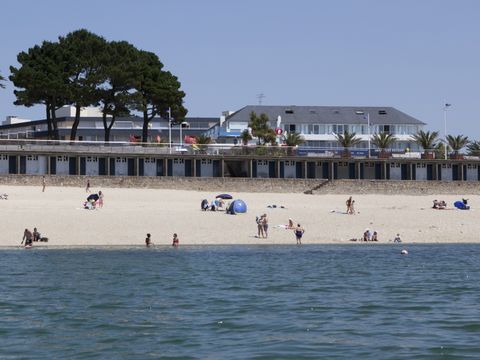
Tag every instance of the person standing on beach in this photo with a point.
(87, 188)
(349, 205)
(260, 226)
(299, 233)
(27, 237)
(100, 199)
(44, 183)
(265, 225)
(175, 240)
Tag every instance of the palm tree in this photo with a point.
(203, 139)
(383, 141)
(457, 143)
(474, 148)
(427, 140)
(201, 142)
(245, 136)
(347, 140)
(292, 139)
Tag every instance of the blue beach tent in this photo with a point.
(237, 207)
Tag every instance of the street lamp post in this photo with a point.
(368, 131)
(169, 130)
(181, 140)
(445, 128)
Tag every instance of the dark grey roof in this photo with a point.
(327, 115)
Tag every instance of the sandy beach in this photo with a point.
(128, 214)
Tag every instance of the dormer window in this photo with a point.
(289, 111)
(382, 112)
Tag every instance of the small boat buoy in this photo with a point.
(404, 252)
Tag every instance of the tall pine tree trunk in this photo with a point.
(73, 133)
(49, 121)
(146, 121)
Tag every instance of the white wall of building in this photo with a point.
(150, 167)
(447, 172)
(472, 172)
(36, 165)
(262, 169)
(421, 172)
(62, 165)
(3, 164)
(121, 166)
(69, 111)
(91, 166)
(178, 167)
(207, 168)
(289, 169)
(395, 171)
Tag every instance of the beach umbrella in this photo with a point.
(93, 197)
(224, 196)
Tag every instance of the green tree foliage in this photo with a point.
(474, 148)
(83, 69)
(383, 141)
(427, 140)
(156, 91)
(261, 129)
(347, 140)
(293, 139)
(2, 79)
(84, 54)
(203, 139)
(41, 79)
(118, 73)
(245, 136)
(457, 143)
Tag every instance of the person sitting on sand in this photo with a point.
(148, 240)
(175, 240)
(36, 235)
(366, 236)
(374, 236)
(27, 237)
(290, 224)
(397, 239)
(435, 204)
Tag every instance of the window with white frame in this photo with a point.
(93, 159)
(150, 160)
(62, 158)
(32, 157)
(178, 161)
(262, 162)
(121, 160)
(3, 157)
(206, 161)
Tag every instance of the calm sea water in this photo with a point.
(239, 302)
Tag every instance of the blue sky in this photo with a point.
(409, 54)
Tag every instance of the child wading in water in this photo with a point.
(148, 240)
(175, 240)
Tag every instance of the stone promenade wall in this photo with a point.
(178, 183)
(315, 186)
(392, 187)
